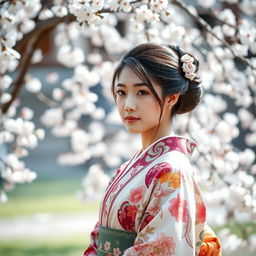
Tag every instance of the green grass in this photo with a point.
(51, 196)
(59, 196)
(71, 246)
(242, 230)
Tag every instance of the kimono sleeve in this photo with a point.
(92, 249)
(173, 219)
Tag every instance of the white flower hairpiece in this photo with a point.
(188, 67)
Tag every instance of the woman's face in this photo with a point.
(138, 108)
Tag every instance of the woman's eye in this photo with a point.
(142, 92)
(120, 92)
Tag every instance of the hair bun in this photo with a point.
(188, 101)
(189, 66)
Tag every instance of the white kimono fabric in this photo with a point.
(155, 195)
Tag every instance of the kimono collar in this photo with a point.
(170, 143)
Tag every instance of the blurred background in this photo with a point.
(46, 217)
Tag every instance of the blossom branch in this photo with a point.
(214, 15)
(208, 28)
(33, 39)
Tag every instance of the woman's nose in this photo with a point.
(130, 104)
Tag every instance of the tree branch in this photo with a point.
(214, 15)
(33, 39)
(208, 28)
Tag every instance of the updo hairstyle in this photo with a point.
(163, 65)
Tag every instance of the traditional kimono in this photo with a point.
(154, 203)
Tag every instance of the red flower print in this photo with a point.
(160, 192)
(126, 216)
(178, 208)
(163, 246)
(149, 218)
(146, 219)
(107, 246)
(90, 251)
(137, 194)
(200, 213)
(156, 206)
(132, 211)
(116, 252)
(143, 249)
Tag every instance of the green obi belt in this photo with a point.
(114, 241)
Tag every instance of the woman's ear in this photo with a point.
(172, 99)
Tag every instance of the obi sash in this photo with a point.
(114, 241)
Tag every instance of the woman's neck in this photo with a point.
(150, 137)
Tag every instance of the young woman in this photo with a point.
(153, 205)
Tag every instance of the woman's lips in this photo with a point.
(131, 119)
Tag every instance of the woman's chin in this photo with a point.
(132, 131)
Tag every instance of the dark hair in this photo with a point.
(162, 64)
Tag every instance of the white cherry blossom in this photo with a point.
(40, 134)
(3, 197)
(27, 25)
(248, 7)
(70, 57)
(97, 5)
(79, 141)
(5, 97)
(59, 11)
(95, 182)
(143, 14)
(83, 12)
(53, 116)
(52, 78)
(45, 14)
(32, 84)
(125, 5)
(114, 5)
(207, 4)
(58, 94)
(27, 113)
(37, 56)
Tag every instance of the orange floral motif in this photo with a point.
(211, 245)
(173, 179)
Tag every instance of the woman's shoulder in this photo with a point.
(182, 144)
(172, 162)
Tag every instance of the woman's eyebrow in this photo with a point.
(135, 85)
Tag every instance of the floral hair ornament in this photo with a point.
(188, 67)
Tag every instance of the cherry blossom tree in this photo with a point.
(221, 33)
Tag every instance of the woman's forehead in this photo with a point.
(128, 78)
(128, 75)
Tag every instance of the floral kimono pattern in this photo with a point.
(156, 196)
